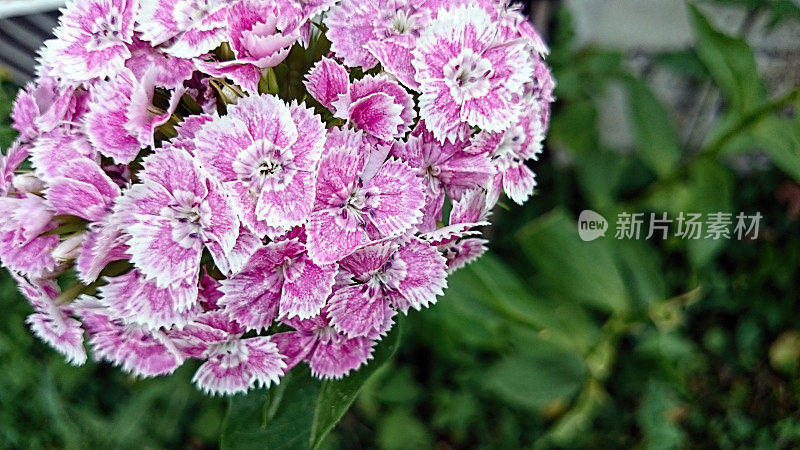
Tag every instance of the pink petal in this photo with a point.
(326, 80)
(50, 322)
(425, 276)
(518, 183)
(395, 58)
(305, 294)
(252, 295)
(332, 237)
(357, 312)
(463, 252)
(232, 261)
(158, 255)
(104, 244)
(397, 198)
(135, 300)
(378, 115)
(338, 355)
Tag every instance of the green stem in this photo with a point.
(749, 120)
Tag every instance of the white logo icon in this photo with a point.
(591, 225)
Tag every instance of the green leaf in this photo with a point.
(536, 376)
(583, 271)
(780, 139)
(711, 188)
(656, 140)
(301, 410)
(656, 417)
(489, 284)
(730, 62)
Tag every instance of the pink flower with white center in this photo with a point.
(329, 354)
(23, 246)
(188, 28)
(41, 107)
(400, 274)
(50, 321)
(172, 214)
(134, 299)
(266, 155)
(374, 104)
(444, 167)
(232, 364)
(258, 39)
(509, 150)
(134, 348)
(122, 118)
(279, 280)
(92, 39)
(360, 198)
(364, 33)
(84, 190)
(466, 76)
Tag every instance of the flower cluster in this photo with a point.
(261, 183)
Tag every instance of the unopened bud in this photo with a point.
(27, 182)
(68, 248)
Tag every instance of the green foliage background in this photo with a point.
(546, 342)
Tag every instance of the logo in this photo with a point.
(591, 225)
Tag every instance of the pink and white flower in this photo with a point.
(266, 155)
(329, 353)
(134, 348)
(466, 75)
(279, 280)
(364, 33)
(203, 220)
(446, 168)
(360, 198)
(172, 214)
(393, 274)
(92, 39)
(186, 28)
(50, 321)
(261, 34)
(232, 364)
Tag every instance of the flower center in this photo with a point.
(325, 334)
(400, 18)
(106, 30)
(508, 150)
(264, 166)
(229, 354)
(467, 75)
(187, 213)
(188, 12)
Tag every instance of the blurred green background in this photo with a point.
(548, 341)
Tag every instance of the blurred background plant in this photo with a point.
(549, 341)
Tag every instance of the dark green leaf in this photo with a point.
(656, 140)
(584, 271)
(536, 375)
(730, 62)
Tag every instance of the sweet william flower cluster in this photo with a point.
(258, 184)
